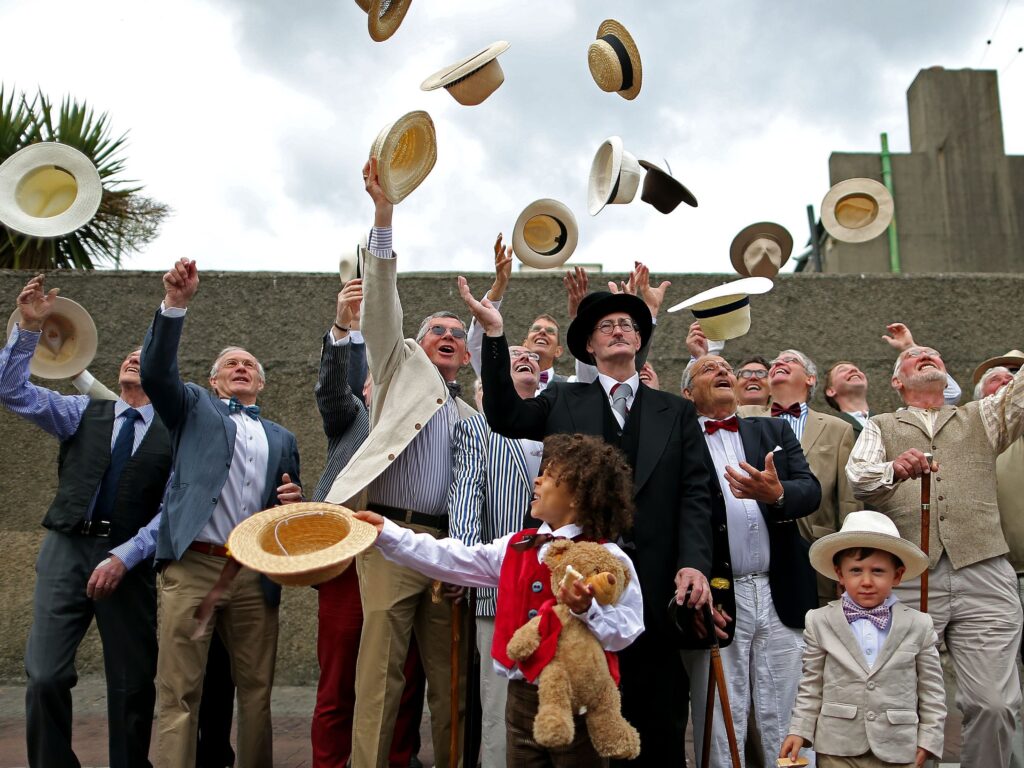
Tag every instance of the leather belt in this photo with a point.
(411, 516)
(209, 548)
(99, 528)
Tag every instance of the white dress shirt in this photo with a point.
(608, 382)
(869, 637)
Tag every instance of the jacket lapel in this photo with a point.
(750, 434)
(656, 424)
(913, 420)
(273, 460)
(898, 627)
(515, 451)
(841, 628)
(943, 418)
(229, 425)
(813, 428)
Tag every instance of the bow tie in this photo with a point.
(732, 424)
(531, 542)
(879, 615)
(793, 410)
(543, 377)
(234, 406)
(454, 388)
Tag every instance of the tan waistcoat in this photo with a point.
(964, 512)
(1010, 477)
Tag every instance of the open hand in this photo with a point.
(575, 282)
(34, 304)
(502, 270)
(486, 315)
(652, 297)
(696, 341)
(900, 337)
(757, 485)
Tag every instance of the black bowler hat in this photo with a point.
(598, 304)
(663, 190)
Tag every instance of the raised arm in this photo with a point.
(333, 389)
(502, 273)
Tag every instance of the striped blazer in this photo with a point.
(490, 492)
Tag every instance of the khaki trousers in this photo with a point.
(248, 627)
(396, 602)
(860, 761)
(977, 611)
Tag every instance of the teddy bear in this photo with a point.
(578, 678)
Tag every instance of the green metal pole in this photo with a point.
(894, 243)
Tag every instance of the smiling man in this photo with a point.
(752, 382)
(972, 596)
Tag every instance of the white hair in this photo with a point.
(986, 376)
(216, 363)
(809, 366)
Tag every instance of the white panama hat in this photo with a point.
(48, 190)
(68, 341)
(406, 151)
(350, 265)
(857, 210)
(545, 234)
(614, 176)
(724, 311)
(472, 79)
(867, 529)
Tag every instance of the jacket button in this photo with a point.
(418, 426)
(942, 517)
(721, 528)
(871, 686)
(536, 586)
(213, 500)
(942, 498)
(531, 613)
(871, 715)
(726, 565)
(440, 401)
(938, 479)
(391, 457)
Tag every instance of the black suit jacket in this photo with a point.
(672, 527)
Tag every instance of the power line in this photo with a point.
(988, 43)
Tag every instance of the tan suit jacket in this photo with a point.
(1010, 491)
(407, 388)
(846, 708)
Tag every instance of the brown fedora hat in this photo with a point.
(384, 17)
(663, 190)
(761, 249)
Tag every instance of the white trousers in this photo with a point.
(493, 693)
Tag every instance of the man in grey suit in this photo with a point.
(229, 463)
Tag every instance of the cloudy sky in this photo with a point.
(252, 118)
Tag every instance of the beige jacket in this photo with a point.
(845, 708)
(1010, 491)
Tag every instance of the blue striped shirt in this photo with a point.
(797, 423)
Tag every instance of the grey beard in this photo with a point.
(926, 377)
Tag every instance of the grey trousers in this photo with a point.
(61, 615)
(493, 699)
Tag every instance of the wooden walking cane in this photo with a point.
(926, 520)
(716, 679)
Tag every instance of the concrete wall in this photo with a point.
(281, 318)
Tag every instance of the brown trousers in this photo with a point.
(523, 752)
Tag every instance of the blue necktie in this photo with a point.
(119, 456)
(235, 406)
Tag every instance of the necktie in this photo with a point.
(531, 542)
(235, 406)
(454, 388)
(793, 410)
(119, 456)
(543, 377)
(621, 393)
(879, 615)
(732, 424)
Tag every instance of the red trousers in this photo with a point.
(337, 646)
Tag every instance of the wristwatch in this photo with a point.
(781, 500)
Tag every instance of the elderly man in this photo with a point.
(972, 587)
(402, 471)
(489, 498)
(115, 456)
(658, 432)
(762, 578)
(228, 464)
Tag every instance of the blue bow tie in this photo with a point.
(234, 406)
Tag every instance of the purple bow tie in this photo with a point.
(543, 377)
(879, 615)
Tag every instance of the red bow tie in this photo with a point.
(732, 424)
(793, 410)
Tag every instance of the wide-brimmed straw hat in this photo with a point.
(472, 79)
(614, 176)
(599, 304)
(545, 234)
(48, 190)
(724, 311)
(857, 210)
(406, 151)
(1012, 359)
(298, 545)
(384, 17)
(614, 60)
(761, 249)
(867, 529)
(67, 344)
(663, 190)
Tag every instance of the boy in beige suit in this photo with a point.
(871, 694)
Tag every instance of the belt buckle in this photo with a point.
(85, 527)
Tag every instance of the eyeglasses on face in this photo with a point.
(441, 330)
(788, 360)
(550, 330)
(624, 324)
(918, 351)
(713, 367)
(516, 354)
(752, 373)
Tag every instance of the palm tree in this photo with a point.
(126, 220)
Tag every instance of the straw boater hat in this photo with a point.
(867, 529)
(406, 151)
(1012, 359)
(67, 344)
(384, 16)
(545, 234)
(598, 304)
(472, 79)
(350, 265)
(761, 249)
(301, 544)
(663, 190)
(724, 311)
(614, 176)
(615, 61)
(48, 190)
(857, 210)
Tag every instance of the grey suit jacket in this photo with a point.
(846, 708)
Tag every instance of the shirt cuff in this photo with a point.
(129, 554)
(172, 311)
(357, 337)
(380, 243)
(888, 475)
(343, 341)
(82, 382)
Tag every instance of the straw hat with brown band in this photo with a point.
(472, 79)
(68, 342)
(406, 151)
(384, 17)
(614, 60)
(761, 249)
(857, 210)
(301, 544)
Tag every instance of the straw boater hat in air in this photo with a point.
(67, 344)
(384, 16)
(472, 79)
(614, 176)
(48, 190)
(761, 249)
(545, 234)
(615, 61)
(663, 190)
(857, 210)
(871, 530)
(1013, 360)
(298, 545)
(724, 311)
(406, 152)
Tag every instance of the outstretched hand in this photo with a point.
(35, 304)
(575, 282)
(652, 297)
(350, 300)
(696, 341)
(382, 207)
(900, 337)
(502, 270)
(757, 485)
(181, 282)
(484, 312)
